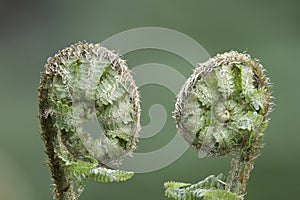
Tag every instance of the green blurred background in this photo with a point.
(31, 31)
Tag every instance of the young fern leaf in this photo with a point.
(83, 170)
(209, 188)
(81, 84)
(221, 110)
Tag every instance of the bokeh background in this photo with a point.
(33, 30)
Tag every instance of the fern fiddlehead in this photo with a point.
(222, 109)
(82, 83)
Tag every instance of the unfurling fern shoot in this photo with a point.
(81, 84)
(222, 109)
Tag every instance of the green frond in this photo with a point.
(247, 80)
(82, 170)
(219, 195)
(225, 81)
(109, 175)
(174, 185)
(210, 188)
(109, 89)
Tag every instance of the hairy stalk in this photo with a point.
(221, 110)
(240, 170)
(62, 189)
(87, 84)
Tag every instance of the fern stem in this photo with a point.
(62, 189)
(241, 167)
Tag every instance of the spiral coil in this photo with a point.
(82, 83)
(223, 104)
